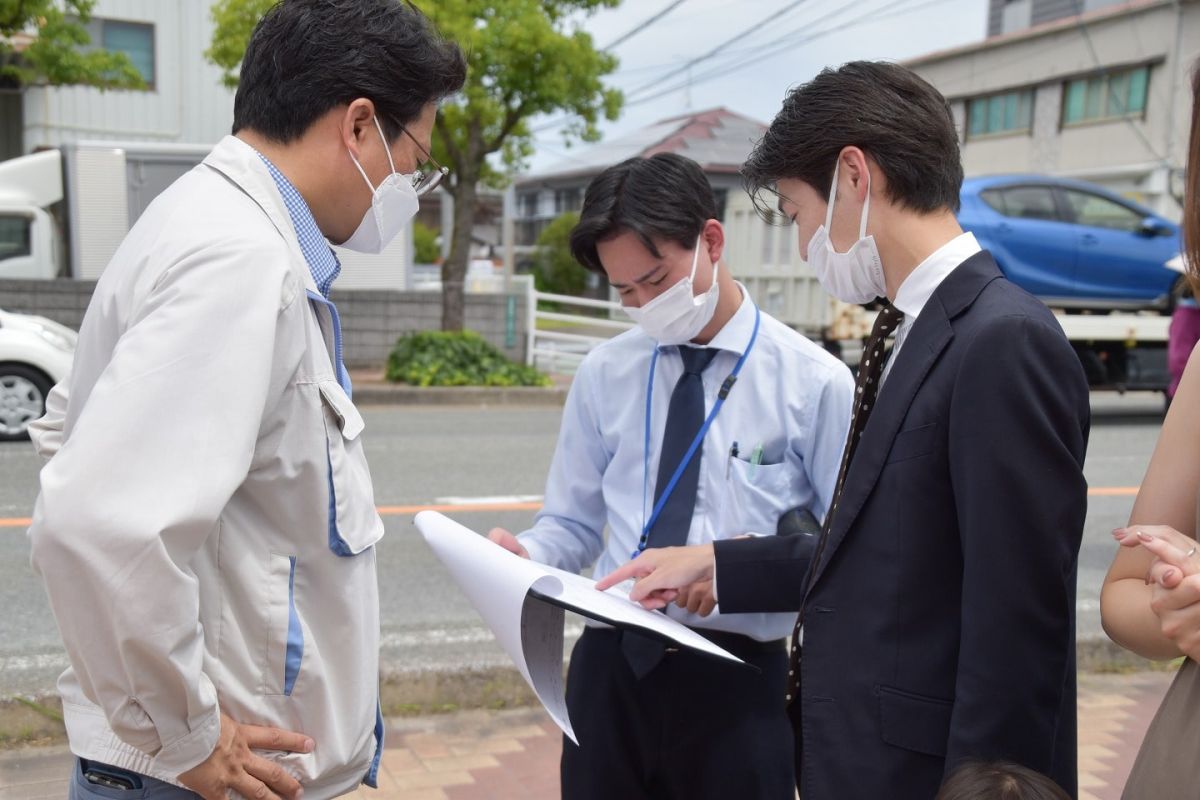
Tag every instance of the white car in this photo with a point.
(35, 354)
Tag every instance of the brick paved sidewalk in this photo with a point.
(505, 755)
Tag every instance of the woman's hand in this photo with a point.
(1175, 576)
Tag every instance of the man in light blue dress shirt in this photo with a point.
(776, 409)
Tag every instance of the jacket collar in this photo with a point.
(241, 164)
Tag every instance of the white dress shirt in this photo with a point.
(922, 282)
(792, 398)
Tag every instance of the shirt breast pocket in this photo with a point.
(758, 495)
(354, 524)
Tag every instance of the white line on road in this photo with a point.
(500, 499)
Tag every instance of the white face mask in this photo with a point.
(393, 204)
(855, 276)
(677, 315)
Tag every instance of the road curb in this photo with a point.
(433, 692)
(401, 395)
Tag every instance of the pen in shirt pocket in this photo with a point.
(733, 453)
(756, 456)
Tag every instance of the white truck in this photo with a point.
(1118, 350)
(63, 212)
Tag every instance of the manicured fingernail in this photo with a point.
(1169, 575)
(1145, 537)
(309, 744)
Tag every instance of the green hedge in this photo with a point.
(456, 358)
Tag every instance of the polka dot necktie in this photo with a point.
(866, 389)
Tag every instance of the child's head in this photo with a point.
(999, 781)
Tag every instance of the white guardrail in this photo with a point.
(558, 341)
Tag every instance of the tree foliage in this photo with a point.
(425, 244)
(233, 22)
(44, 42)
(526, 58)
(555, 270)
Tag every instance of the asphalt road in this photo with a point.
(422, 456)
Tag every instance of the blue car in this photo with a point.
(1074, 244)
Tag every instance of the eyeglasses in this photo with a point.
(426, 179)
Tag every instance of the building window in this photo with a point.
(1110, 95)
(567, 200)
(527, 204)
(721, 196)
(135, 40)
(1016, 15)
(1007, 112)
(14, 236)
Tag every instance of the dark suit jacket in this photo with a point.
(940, 621)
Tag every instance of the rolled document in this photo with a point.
(523, 602)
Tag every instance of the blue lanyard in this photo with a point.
(691, 451)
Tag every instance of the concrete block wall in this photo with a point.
(371, 319)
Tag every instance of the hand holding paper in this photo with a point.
(523, 603)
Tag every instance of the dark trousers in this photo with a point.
(695, 727)
(110, 781)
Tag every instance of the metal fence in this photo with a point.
(558, 340)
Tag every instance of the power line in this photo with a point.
(735, 56)
(784, 43)
(769, 50)
(717, 50)
(635, 30)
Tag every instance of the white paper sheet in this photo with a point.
(530, 630)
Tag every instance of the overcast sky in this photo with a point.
(788, 42)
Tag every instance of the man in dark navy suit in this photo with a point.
(937, 605)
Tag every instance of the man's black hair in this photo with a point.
(308, 56)
(888, 111)
(665, 197)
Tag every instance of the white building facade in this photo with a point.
(165, 39)
(185, 104)
(1098, 91)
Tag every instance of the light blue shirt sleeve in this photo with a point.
(827, 430)
(568, 532)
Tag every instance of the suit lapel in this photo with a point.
(929, 337)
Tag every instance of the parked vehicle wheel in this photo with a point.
(23, 392)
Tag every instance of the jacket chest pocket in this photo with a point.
(913, 443)
(354, 524)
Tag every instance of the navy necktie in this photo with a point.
(685, 417)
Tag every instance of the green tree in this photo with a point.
(554, 268)
(233, 22)
(44, 42)
(425, 244)
(526, 58)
